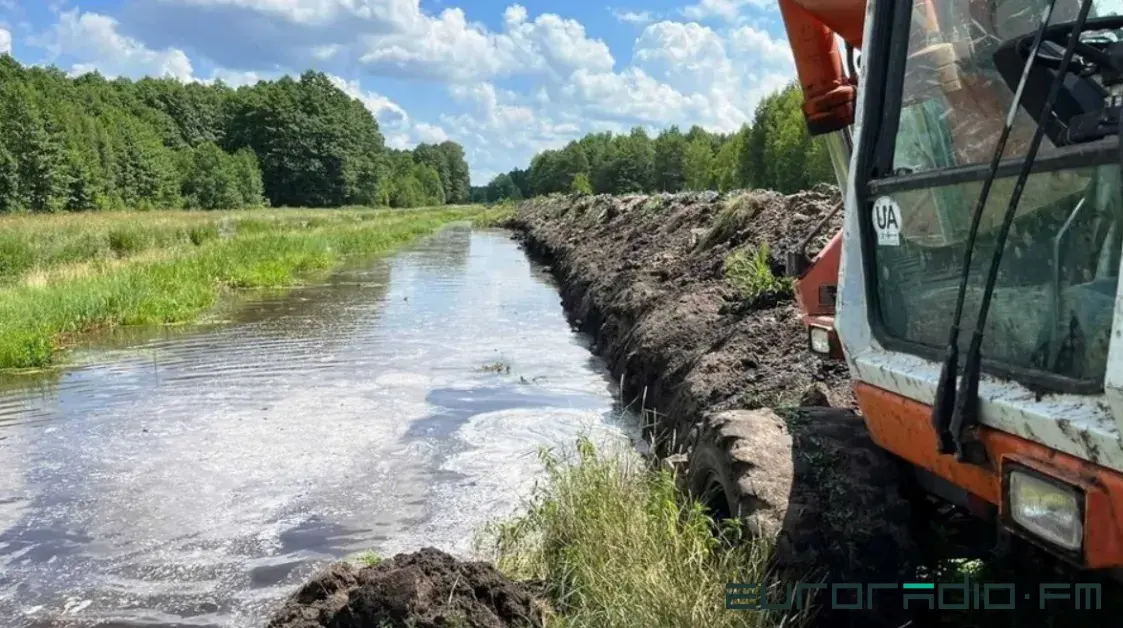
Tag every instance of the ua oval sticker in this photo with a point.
(887, 221)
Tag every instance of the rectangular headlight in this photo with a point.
(1047, 509)
(820, 340)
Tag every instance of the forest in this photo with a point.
(88, 142)
(774, 152)
(69, 144)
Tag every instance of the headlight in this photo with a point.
(1047, 509)
(820, 340)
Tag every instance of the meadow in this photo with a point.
(66, 274)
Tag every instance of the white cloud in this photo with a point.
(561, 42)
(325, 52)
(629, 94)
(445, 47)
(681, 73)
(685, 74)
(449, 47)
(633, 17)
(94, 38)
(728, 10)
(311, 12)
(233, 78)
(748, 41)
(429, 133)
(500, 131)
(393, 38)
(397, 127)
(689, 57)
(5, 41)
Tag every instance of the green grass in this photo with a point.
(749, 272)
(615, 545)
(496, 215)
(63, 275)
(735, 213)
(368, 558)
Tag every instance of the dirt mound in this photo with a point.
(425, 589)
(645, 276)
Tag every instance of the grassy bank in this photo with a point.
(615, 545)
(495, 215)
(65, 274)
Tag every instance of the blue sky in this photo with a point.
(504, 78)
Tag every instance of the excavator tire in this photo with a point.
(811, 481)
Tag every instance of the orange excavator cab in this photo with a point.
(973, 288)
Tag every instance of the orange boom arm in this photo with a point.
(828, 94)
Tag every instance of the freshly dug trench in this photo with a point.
(647, 277)
(425, 589)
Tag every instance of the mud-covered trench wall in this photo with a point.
(685, 299)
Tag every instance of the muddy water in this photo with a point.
(194, 477)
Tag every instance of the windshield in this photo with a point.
(1052, 306)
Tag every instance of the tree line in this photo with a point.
(88, 142)
(775, 151)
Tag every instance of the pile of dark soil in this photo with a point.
(644, 276)
(426, 589)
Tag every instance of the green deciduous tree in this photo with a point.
(670, 160)
(501, 188)
(698, 161)
(581, 184)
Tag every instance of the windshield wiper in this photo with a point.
(965, 416)
(944, 403)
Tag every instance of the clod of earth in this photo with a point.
(425, 589)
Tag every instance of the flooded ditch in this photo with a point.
(195, 476)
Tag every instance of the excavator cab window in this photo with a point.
(1052, 307)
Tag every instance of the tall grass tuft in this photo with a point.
(750, 272)
(614, 544)
(735, 214)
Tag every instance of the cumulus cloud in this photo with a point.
(449, 47)
(500, 129)
(689, 57)
(685, 74)
(748, 41)
(400, 131)
(5, 41)
(681, 73)
(94, 37)
(632, 17)
(727, 10)
(394, 38)
(429, 133)
(234, 78)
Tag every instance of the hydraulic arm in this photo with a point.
(812, 26)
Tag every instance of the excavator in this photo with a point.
(973, 287)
